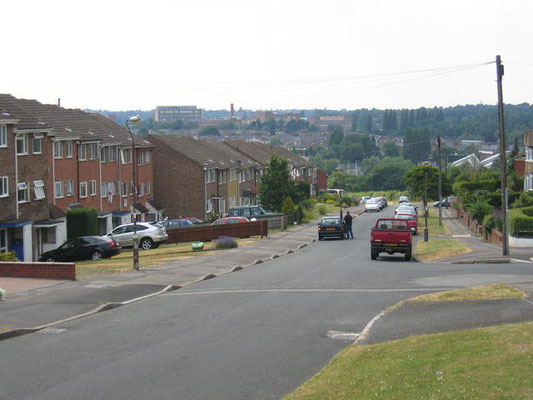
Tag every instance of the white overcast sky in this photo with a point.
(268, 54)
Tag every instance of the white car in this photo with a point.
(372, 205)
(404, 199)
(364, 199)
(149, 235)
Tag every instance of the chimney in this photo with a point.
(59, 101)
(232, 111)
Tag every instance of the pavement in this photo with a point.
(35, 304)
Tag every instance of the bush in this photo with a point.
(347, 200)
(332, 202)
(298, 215)
(8, 256)
(322, 210)
(306, 204)
(82, 222)
(479, 210)
(521, 225)
(528, 211)
(287, 206)
(491, 222)
(524, 200)
(226, 242)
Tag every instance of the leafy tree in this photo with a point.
(388, 174)
(417, 178)
(417, 145)
(288, 206)
(336, 136)
(337, 180)
(209, 131)
(391, 149)
(354, 123)
(479, 209)
(369, 128)
(276, 185)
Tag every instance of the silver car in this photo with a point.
(150, 236)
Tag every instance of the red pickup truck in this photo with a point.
(390, 235)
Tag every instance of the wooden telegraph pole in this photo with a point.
(503, 161)
(440, 183)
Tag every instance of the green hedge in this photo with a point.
(528, 211)
(8, 256)
(82, 222)
(521, 223)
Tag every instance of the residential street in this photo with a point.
(254, 334)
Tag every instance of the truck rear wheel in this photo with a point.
(373, 254)
(408, 255)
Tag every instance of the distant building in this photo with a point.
(264, 116)
(324, 122)
(528, 167)
(175, 113)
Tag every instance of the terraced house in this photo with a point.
(85, 160)
(201, 178)
(528, 165)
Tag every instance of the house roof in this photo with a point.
(10, 111)
(209, 154)
(74, 123)
(262, 153)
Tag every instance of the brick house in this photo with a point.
(86, 161)
(528, 163)
(201, 178)
(301, 169)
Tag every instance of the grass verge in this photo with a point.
(486, 363)
(433, 223)
(435, 249)
(148, 258)
(497, 291)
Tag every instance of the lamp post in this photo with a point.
(134, 120)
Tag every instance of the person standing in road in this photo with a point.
(348, 225)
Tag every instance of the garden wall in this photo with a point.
(38, 270)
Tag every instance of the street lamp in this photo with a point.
(134, 120)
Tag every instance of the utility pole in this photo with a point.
(426, 231)
(503, 161)
(440, 183)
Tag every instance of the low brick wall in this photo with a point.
(494, 236)
(38, 270)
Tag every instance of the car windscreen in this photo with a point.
(331, 221)
(403, 216)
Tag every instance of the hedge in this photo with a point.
(521, 223)
(81, 222)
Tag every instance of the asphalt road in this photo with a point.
(254, 334)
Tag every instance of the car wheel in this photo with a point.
(155, 245)
(408, 255)
(146, 244)
(97, 255)
(373, 254)
(49, 259)
(320, 238)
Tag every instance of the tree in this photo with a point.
(389, 174)
(417, 145)
(336, 136)
(337, 180)
(368, 124)
(391, 149)
(426, 175)
(209, 131)
(354, 123)
(276, 185)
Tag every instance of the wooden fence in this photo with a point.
(206, 233)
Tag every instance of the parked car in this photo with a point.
(411, 221)
(150, 236)
(230, 220)
(402, 209)
(391, 236)
(83, 248)
(194, 220)
(330, 227)
(364, 199)
(403, 199)
(445, 202)
(339, 192)
(251, 212)
(383, 201)
(174, 223)
(372, 205)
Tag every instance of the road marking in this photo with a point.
(364, 333)
(52, 330)
(236, 291)
(461, 236)
(342, 335)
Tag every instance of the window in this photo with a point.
(38, 190)
(123, 189)
(146, 188)
(4, 187)
(139, 157)
(3, 240)
(82, 153)
(58, 190)
(147, 156)
(104, 154)
(232, 175)
(23, 194)
(209, 205)
(37, 143)
(70, 187)
(103, 189)
(124, 156)
(83, 189)
(111, 189)
(529, 154)
(112, 153)
(212, 175)
(68, 149)
(140, 190)
(22, 145)
(92, 151)
(132, 187)
(3, 135)
(58, 150)
(528, 182)
(92, 188)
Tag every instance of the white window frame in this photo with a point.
(3, 135)
(24, 139)
(93, 151)
(23, 187)
(104, 154)
(147, 157)
(209, 206)
(529, 154)
(37, 138)
(38, 189)
(140, 157)
(69, 187)
(82, 152)
(528, 182)
(4, 186)
(124, 189)
(59, 192)
(83, 189)
(92, 188)
(146, 188)
(112, 153)
(58, 149)
(103, 189)
(68, 149)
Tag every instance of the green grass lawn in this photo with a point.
(433, 223)
(486, 363)
(436, 248)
